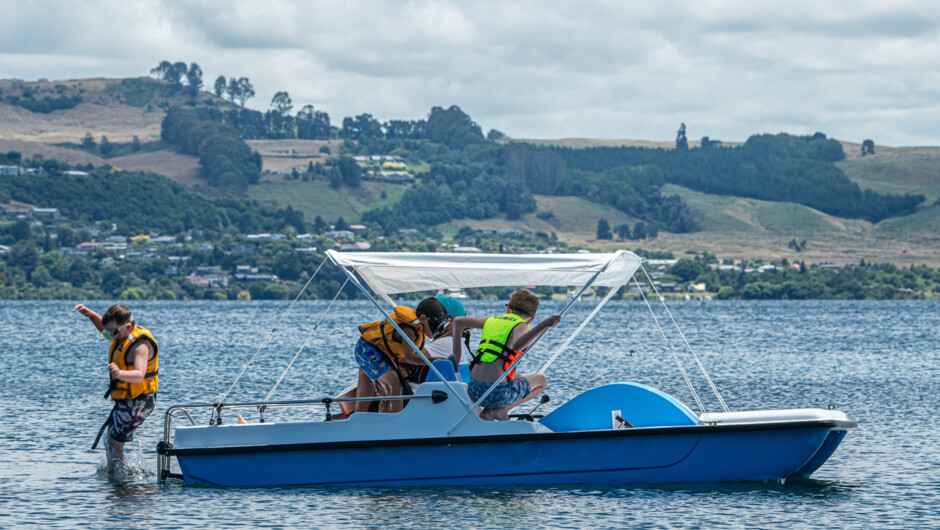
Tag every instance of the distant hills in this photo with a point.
(61, 112)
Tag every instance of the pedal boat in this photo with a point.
(616, 433)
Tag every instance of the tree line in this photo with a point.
(782, 167)
(135, 201)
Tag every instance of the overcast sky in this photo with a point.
(532, 69)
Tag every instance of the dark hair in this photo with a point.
(524, 303)
(433, 309)
(118, 313)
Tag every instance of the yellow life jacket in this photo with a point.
(381, 334)
(493, 339)
(116, 355)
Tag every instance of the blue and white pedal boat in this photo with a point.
(612, 434)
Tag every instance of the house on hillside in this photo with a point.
(264, 237)
(359, 246)
(340, 234)
(12, 171)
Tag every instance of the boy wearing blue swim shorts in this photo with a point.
(504, 339)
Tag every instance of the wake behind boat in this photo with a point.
(615, 433)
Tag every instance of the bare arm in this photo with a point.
(142, 351)
(460, 324)
(523, 341)
(94, 317)
(410, 356)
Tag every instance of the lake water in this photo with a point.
(878, 361)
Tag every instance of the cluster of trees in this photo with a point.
(778, 167)
(239, 89)
(44, 105)
(640, 231)
(176, 73)
(106, 148)
(224, 157)
(797, 245)
(632, 190)
(450, 127)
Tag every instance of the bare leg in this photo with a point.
(537, 385)
(115, 454)
(389, 385)
(346, 408)
(365, 388)
(489, 414)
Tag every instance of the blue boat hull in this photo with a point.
(675, 454)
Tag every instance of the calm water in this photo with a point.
(878, 361)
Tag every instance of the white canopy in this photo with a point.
(401, 272)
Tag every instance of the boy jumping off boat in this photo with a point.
(132, 365)
(504, 338)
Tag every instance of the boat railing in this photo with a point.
(163, 447)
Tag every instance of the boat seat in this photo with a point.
(445, 367)
(465, 373)
(638, 404)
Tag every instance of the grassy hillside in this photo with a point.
(731, 227)
(117, 108)
(895, 169)
(574, 220)
(318, 198)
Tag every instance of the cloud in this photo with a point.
(605, 69)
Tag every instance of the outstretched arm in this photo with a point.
(94, 317)
(527, 338)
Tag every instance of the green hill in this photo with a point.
(318, 198)
(35, 116)
(895, 170)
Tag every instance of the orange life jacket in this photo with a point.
(381, 333)
(116, 355)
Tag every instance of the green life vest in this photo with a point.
(493, 341)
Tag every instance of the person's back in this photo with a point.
(381, 351)
(504, 338)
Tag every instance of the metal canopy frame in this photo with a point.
(470, 407)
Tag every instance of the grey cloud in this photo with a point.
(551, 68)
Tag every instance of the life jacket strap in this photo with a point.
(105, 425)
(388, 348)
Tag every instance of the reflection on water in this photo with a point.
(130, 500)
(760, 354)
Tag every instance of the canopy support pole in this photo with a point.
(687, 345)
(590, 317)
(304, 345)
(514, 363)
(411, 343)
(266, 339)
(672, 350)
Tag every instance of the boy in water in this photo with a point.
(504, 339)
(132, 365)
